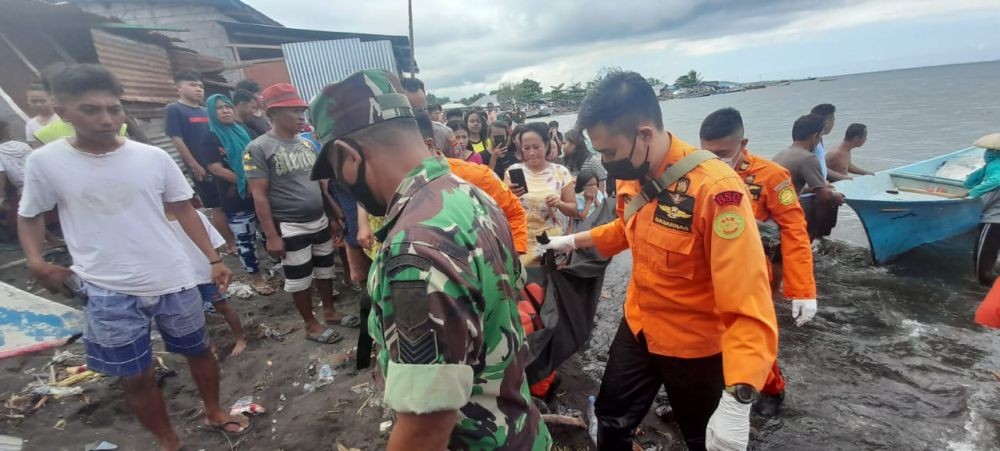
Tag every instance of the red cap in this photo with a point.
(282, 95)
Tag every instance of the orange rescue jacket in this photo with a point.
(774, 197)
(699, 278)
(484, 178)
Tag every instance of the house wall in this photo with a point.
(204, 34)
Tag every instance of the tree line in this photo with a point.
(528, 90)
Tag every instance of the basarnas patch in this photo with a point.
(786, 194)
(674, 211)
(729, 225)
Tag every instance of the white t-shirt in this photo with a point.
(34, 125)
(199, 262)
(111, 212)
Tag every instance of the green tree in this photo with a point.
(435, 100)
(507, 92)
(556, 92)
(529, 90)
(653, 81)
(472, 99)
(689, 80)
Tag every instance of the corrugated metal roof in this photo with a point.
(313, 65)
(243, 33)
(144, 69)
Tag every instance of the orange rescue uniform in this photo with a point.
(773, 196)
(484, 178)
(699, 279)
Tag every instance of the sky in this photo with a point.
(469, 46)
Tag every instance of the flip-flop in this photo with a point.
(327, 337)
(221, 427)
(265, 290)
(350, 320)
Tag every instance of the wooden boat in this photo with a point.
(30, 323)
(910, 206)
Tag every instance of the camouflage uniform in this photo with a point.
(444, 289)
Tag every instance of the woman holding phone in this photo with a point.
(546, 189)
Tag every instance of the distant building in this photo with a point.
(251, 43)
(196, 22)
(34, 35)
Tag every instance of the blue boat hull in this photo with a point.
(29, 323)
(894, 228)
(911, 206)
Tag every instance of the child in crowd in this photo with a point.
(588, 197)
(210, 295)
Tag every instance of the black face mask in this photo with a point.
(360, 189)
(623, 169)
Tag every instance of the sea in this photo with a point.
(893, 359)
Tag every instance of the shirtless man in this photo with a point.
(839, 161)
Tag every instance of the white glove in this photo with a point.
(803, 310)
(729, 427)
(560, 244)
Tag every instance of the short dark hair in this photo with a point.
(457, 124)
(36, 87)
(412, 84)
(500, 124)
(433, 108)
(242, 96)
(856, 131)
(80, 78)
(721, 124)
(538, 127)
(554, 124)
(424, 124)
(455, 113)
(807, 126)
(620, 101)
(249, 86)
(824, 109)
(489, 103)
(386, 132)
(187, 75)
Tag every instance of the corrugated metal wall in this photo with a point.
(144, 69)
(313, 65)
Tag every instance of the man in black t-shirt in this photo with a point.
(187, 125)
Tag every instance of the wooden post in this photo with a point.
(413, 61)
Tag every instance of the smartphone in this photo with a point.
(499, 140)
(517, 176)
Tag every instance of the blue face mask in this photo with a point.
(623, 169)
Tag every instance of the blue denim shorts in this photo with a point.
(118, 325)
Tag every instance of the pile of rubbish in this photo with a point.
(64, 376)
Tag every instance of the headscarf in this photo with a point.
(234, 139)
(986, 178)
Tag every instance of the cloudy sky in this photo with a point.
(469, 46)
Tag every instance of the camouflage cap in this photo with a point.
(357, 102)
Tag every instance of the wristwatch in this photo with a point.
(743, 393)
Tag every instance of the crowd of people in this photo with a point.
(433, 215)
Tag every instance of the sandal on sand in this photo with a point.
(265, 290)
(350, 321)
(327, 337)
(221, 427)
